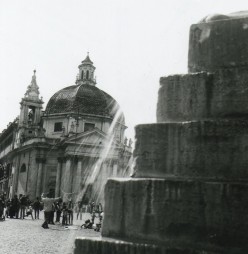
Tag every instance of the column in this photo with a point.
(58, 177)
(77, 177)
(22, 114)
(115, 166)
(40, 162)
(67, 178)
(25, 114)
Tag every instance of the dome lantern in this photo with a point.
(86, 72)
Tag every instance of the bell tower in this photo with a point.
(86, 72)
(30, 115)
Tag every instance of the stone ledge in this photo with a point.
(214, 149)
(197, 96)
(104, 245)
(161, 211)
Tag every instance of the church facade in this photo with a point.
(70, 148)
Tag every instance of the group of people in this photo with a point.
(19, 207)
(55, 210)
(56, 206)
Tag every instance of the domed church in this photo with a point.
(70, 148)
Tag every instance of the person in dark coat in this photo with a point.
(36, 206)
(15, 206)
(58, 209)
(11, 209)
(23, 203)
(2, 205)
(7, 204)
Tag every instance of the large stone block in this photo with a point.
(196, 96)
(177, 213)
(214, 149)
(218, 42)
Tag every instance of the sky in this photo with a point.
(131, 42)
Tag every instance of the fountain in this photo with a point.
(189, 191)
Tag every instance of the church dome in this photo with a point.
(83, 99)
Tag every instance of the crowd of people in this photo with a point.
(55, 210)
(19, 207)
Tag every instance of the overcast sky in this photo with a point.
(131, 42)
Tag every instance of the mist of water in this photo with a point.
(100, 168)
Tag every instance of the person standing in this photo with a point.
(51, 219)
(79, 209)
(70, 212)
(65, 214)
(23, 203)
(2, 205)
(48, 206)
(7, 211)
(58, 209)
(16, 206)
(92, 207)
(36, 206)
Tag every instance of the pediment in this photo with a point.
(93, 137)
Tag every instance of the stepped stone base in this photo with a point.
(213, 149)
(187, 211)
(111, 246)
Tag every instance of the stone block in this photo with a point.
(218, 44)
(213, 149)
(177, 212)
(195, 96)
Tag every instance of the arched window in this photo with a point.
(23, 168)
(87, 75)
(82, 75)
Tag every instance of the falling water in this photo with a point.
(94, 177)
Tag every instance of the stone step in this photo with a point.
(196, 96)
(187, 211)
(214, 149)
(84, 245)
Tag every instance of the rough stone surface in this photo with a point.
(213, 149)
(218, 44)
(222, 94)
(177, 212)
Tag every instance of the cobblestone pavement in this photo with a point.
(27, 236)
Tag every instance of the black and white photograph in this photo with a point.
(123, 127)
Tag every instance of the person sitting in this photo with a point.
(87, 224)
(30, 212)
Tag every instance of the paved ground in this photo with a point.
(27, 236)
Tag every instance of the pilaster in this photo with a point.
(40, 176)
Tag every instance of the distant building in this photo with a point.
(69, 149)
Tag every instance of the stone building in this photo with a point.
(71, 147)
